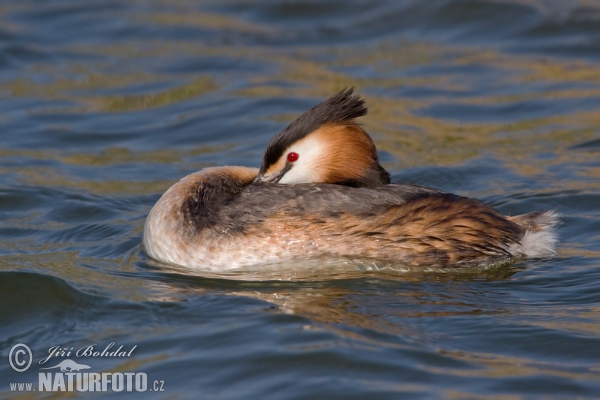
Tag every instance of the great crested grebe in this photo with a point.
(320, 191)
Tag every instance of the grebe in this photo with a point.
(321, 191)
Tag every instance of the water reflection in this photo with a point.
(356, 298)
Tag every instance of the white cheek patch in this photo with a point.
(305, 169)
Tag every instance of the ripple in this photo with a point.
(106, 104)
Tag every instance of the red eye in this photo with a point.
(293, 157)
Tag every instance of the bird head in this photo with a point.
(325, 145)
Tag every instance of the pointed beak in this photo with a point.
(272, 178)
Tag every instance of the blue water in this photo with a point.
(105, 104)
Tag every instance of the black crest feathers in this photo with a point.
(339, 108)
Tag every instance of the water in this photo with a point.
(105, 104)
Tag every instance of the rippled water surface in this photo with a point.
(105, 104)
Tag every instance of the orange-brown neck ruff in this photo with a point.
(351, 157)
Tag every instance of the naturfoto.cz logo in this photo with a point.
(70, 376)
